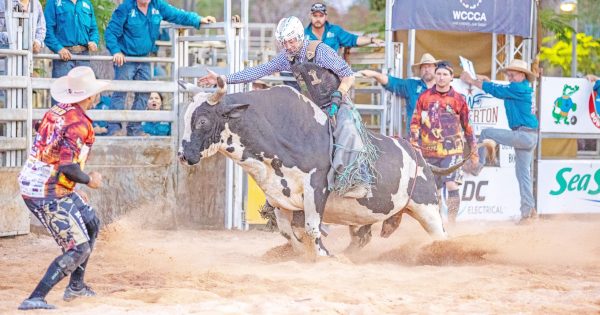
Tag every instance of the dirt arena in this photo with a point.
(551, 267)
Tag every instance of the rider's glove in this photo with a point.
(336, 100)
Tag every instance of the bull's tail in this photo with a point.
(489, 145)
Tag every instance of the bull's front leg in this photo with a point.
(315, 197)
(284, 223)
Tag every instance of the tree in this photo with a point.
(559, 54)
(377, 5)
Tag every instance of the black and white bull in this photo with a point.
(281, 139)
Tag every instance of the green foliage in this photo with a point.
(212, 8)
(377, 5)
(559, 54)
(103, 10)
(559, 24)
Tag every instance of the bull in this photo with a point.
(282, 139)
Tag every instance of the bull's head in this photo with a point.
(205, 120)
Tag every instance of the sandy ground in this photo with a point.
(551, 267)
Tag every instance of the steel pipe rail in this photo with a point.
(106, 58)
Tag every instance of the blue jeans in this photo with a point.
(131, 71)
(524, 143)
(61, 68)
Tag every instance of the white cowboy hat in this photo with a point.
(521, 66)
(425, 59)
(79, 84)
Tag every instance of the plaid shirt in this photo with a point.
(325, 57)
(64, 136)
(438, 123)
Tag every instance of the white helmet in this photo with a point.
(289, 28)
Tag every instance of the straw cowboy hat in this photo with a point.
(79, 84)
(425, 59)
(521, 66)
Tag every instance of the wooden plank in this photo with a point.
(10, 114)
(10, 144)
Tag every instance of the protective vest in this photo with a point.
(315, 82)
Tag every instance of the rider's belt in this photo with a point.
(77, 49)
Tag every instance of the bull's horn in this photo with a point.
(447, 171)
(215, 98)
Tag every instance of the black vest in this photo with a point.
(316, 82)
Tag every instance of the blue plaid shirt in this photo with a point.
(325, 57)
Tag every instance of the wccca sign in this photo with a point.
(486, 16)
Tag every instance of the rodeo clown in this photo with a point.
(47, 181)
(325, 78)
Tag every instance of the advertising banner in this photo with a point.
(569, 105)
(568, 186)
(490, 16)
(486, 111)
(491, 196)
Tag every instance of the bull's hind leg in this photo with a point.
(429, 217)
(284, 223)
(360, 236)
(391, 224)
(315, 197)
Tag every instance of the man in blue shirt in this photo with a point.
(132, 31)
(71, 30)
(409, 89)
(523, 135)
(333, 35)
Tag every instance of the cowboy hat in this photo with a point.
(521, 66)
(425, 59)
(79, 84)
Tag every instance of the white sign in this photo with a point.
(486, 111)
(491, 196)
(568, 105)
(468, 67)
(568, 186)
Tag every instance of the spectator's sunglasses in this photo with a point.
(318, 7)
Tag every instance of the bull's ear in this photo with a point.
(234, 110)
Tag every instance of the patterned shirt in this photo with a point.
(64, 136)
(325, 57)
(438, 123)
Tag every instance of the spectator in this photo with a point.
(517, 96)
(132, 31)
(105, 128)
(39, 31)
(47, 182)
(409, 89)
(439, 124)
(72, 30)
(156, 128)
(333, 35)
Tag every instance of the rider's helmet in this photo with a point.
(289, 28)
